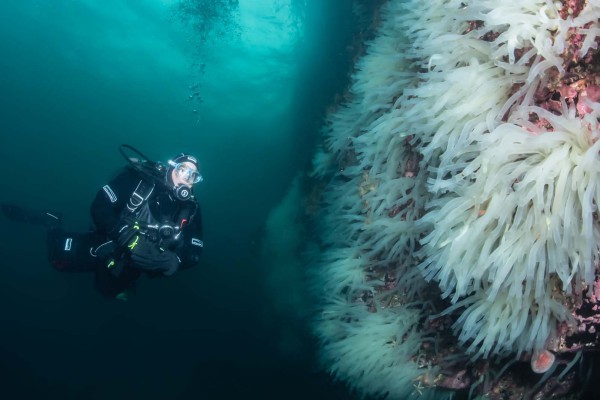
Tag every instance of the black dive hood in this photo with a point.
(155, 171)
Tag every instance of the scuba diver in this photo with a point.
(147, 221)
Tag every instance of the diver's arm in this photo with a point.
(193, 242)
(110, 201)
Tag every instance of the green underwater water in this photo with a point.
(245, 92)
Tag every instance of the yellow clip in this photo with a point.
(110, 264)
(134, 243)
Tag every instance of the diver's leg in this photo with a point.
(57, 241)
(73, 252)
(114, 286)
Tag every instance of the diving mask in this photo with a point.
(186, 173)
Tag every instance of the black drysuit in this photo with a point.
(164, 228)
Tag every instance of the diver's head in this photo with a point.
(182, 174)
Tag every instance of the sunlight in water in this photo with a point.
(270, 24)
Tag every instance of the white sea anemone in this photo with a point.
(513, 220)
(377, 353)
(443, 176)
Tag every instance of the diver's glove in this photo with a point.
(127, 233)
(148, 256)
(171, 263)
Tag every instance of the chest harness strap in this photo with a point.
(139, 196)
(137, 205)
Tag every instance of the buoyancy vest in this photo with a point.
(138, 209)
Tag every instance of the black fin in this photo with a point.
(46, 218)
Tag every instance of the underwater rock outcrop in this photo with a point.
(459, 228)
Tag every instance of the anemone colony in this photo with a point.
(459, 223)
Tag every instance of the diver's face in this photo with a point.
(184, 174)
